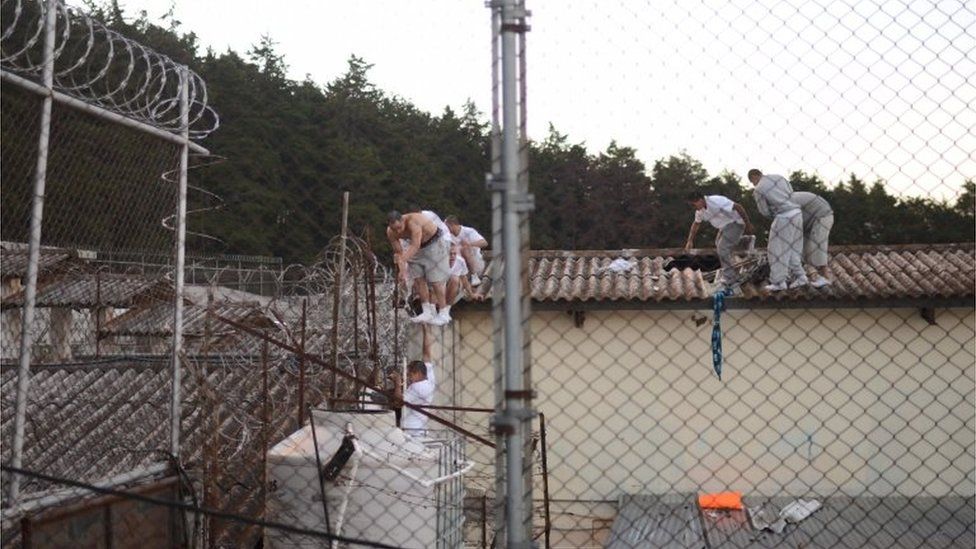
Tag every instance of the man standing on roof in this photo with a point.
(470, 243)
(421, 385)
(774, 199)
(731, 220)
(425, 260)
(818, 218)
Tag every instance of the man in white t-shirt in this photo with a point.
(459, 280)
(731, 220)
(470, 243)
(421, 384)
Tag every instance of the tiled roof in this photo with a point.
(917, 271)
(87, 290)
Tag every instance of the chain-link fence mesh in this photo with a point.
(660, 393)
(800, 384)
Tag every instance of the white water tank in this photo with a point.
(373, 498)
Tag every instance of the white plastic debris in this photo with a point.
(792, 513)
(799, 510)
(621, 265)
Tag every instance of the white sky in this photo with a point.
(882, 89)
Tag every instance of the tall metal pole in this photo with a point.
(175, 404)
(33, 251)
(498, 292)
(516, 202)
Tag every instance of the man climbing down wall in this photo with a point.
(425, 260)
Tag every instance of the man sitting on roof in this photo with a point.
(469, 242)
(731, 220)
(425, 260)
(459, 280)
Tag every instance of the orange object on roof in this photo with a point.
(721, 500)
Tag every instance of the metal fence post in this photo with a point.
(497, 294)
(34, 250)
(513, 421)
(175, 404)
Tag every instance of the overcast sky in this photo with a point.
(882, 89)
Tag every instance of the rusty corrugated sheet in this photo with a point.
(88, 290)
(158, 320)
(13, 260)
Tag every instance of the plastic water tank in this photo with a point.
(381, 503)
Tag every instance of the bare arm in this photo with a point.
(691, 235)
(745, 216)
(427, 344)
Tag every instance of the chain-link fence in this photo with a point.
(808, 383)
(802, 384)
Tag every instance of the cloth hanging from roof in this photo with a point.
(718, 305)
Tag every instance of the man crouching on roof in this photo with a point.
(425, 259)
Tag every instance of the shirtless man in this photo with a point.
(425, 260)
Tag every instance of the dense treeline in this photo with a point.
(292, 148)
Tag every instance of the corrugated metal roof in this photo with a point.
(158, 320)
(87, 290)
(656, 521)
(13, 260)
(894, 521)
(859, 273)
(98, 419)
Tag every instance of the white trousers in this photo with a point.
(785, 247)
(815, 241)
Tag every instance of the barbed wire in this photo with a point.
(102, 67)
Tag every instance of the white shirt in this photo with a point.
(718, 211)
(459, 267)
(468, 235)
(418, 393)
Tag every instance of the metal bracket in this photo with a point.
(520, 28)
(523, 413)
(526, 395)
(523, 202)
(502, 424)
(495, 184)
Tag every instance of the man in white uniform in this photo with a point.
(818, 218)
(470, 243)
(459, 280)
(731, 220)
(774, 199)
(421, 384)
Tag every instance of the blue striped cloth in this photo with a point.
(718, 305)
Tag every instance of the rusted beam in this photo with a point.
(339, 373)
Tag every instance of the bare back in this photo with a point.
(415, 228)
